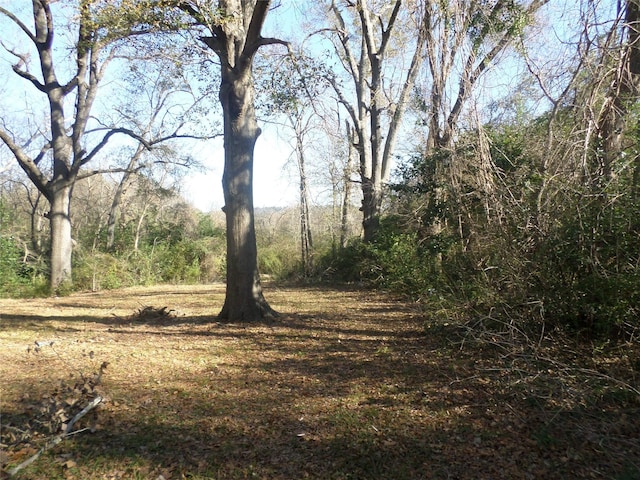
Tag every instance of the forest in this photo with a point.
(465, 181)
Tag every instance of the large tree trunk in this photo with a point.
(61, 241)
(244, 300)
(236, 39)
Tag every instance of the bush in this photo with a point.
(279, 260)
(186, 261)
(97, 270)
(20, 276)
(10, 263)
(397, 260)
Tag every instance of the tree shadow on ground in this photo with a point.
(334, 395)
(285, 432)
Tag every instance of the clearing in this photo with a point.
(348, 384)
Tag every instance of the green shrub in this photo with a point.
(97, 270)
(20, 276)
(10, 263)
(398, 260)
(279, 260)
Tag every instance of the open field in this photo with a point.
(347, 384)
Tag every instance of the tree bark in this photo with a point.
(371, 206)
(61, 241)
(244, 300)
(346, 178)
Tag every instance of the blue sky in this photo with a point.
(275, 184)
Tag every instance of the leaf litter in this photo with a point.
(347, 384)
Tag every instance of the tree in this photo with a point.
(158, 103)
(463, 41)
(65, 142)
(624, 87)
(292, 91)
(346, 178)
(233, 33)
(365, 49)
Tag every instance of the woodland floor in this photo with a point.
(347, 384)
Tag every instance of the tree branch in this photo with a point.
(215, 44)
(73, 83)
(23, 59)
(27, 163)
(105, 140)
(471, 75)
(412, 73)
(19, 23)
(27, 76)
(342, 99)
(253, 38)
(148, 144)
(91, 173)
(179, 135)
(45, 148)
(344, 40)
(58, 438)
(386, 33)
(273, 41)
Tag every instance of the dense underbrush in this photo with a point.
(552, 285)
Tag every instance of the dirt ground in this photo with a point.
(347, 384)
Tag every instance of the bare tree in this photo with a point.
(65, 142)
(159, 104)
(290, 96)
(376, 109)
(463, 39)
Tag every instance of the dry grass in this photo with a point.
(345, 385)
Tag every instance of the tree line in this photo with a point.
(488, 164)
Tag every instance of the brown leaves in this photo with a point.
(348, 387)
(56, 413)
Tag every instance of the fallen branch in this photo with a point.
(58, 438)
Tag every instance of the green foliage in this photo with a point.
(178, 249)
(183, 261)
(486, 228)
(279, 259)
(112, 20)
(207, 228)
(508, 147)
(287, 87)
(97, 270)
(589, 267)
(179, 262)
(495, 18)
(397, 260)
(11, 268)
(20, 274)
